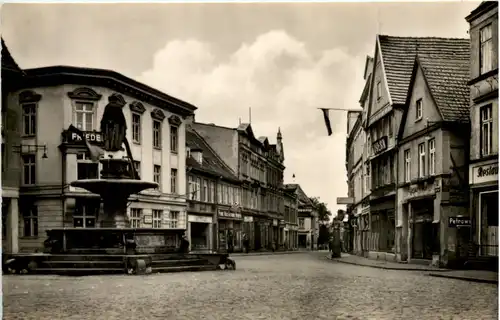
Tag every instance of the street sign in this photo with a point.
(454, 222)
(345, 200)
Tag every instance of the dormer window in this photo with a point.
(197, 155)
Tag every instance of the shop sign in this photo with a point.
(199, 219)
(92, 137)
(485, 173)
(275, 222)
(454, 222)
(379, 145)
(345, 200)
(148, 219)
(418, 190)
(247, 219)
(230, 215)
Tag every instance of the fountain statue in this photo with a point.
(119, 178)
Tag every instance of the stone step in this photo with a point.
(185, 268)
(79, 271)
(82, 264)
(81, 257)
(181, 262)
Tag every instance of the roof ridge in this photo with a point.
(423, 37)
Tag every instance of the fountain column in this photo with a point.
(115, 212)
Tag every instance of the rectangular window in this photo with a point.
(369, 144)
(29, 169)
(157, 217)
(156, 134)
(419, 110)
(191, 188)
(137, 165)
(30, 216)
(85, 214)
(174, 138)
(198, 189)
(86, 168)
(302, 223)
(136, 128)
(173, 219)
(212, 192)
(432, 157)
(84, 116)
(367, 178)
(135, 217)
(157, 175)
(173, 180)
(204, 196)
(379, 90)
(486, 48)
(486, 119)
(407, 165)
(224, 194)
(421, 160)
(29, 119)
(219, 193)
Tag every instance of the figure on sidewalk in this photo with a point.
(246, 243)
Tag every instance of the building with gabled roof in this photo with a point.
(214, 198)
(432, 173)
(393, 63)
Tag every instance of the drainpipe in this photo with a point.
(396, 199)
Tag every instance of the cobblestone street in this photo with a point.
(294, 286)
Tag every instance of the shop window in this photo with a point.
(135, 217)
(30, 218)
(157, 217)
(29, 169)
(86, 212)
(86, 168)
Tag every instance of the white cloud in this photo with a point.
(284, 83)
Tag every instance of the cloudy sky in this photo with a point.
(282, 60)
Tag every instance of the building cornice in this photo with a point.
(59, 75)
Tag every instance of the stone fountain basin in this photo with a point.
(114, 186)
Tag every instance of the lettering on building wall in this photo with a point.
(417, 190)
(485, 173)
(93, 137)
(230, 215)
(459, 222)
(148, 219)
(379, 145)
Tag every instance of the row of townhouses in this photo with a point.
(422, 155)
(217, 183)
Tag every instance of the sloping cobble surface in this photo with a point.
(297, 286)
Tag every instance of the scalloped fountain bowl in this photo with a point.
(114, 187)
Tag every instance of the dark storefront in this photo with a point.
(230, 230)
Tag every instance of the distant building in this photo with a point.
(44, 104)
(259, 165)
(308, 227)
(290, 219)
(483, 164)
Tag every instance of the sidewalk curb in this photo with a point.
(250, 254)
(384, 267)
(470, 279)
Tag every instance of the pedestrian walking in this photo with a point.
(246, 243)
(184, 247)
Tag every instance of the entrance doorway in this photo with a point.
(199, 236)
(302, 241)
(425, 232)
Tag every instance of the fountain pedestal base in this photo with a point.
(115, 212)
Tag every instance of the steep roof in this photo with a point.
(447, 80)
(300, 193)
(398, 56)
(211, 163)
(8, 62)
